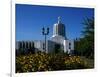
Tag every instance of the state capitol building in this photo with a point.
(58, 42)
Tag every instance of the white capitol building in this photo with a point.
(58, 41)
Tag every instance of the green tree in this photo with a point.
(88, 36)
(85, 45)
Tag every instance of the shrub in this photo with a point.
(48, 62)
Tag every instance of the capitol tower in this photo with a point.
(60, 38)
(59, 29)
(59, 33)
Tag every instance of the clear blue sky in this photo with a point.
(31, 18)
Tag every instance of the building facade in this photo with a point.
(57, 43)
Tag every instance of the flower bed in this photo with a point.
(48, 62)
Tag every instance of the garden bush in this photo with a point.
(48, 62)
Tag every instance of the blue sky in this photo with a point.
(31, 18)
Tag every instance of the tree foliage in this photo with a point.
(85, 45)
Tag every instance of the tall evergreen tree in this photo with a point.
(88, 36)
(85, 45)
